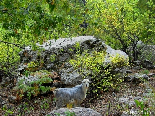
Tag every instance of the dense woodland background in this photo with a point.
(119, 23)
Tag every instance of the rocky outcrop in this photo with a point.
(144, 53)
(55, 54)
(77, 111)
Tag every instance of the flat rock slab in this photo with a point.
(62, 42)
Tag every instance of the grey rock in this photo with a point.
(151, 74)
(142, 76)
(137, 62)
(124, 100)
(78, 111)
(12, 99)
(125, 113)
(26, 80)
(1, 100)
(138, 98)
(147, 64)
(131, 104)
(70, 76)
(64, 49)
(136, 78)
(147, 56)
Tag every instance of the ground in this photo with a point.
(110, 104)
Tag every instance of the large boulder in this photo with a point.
(55, 54)
(77, 111)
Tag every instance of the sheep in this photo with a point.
(74, 95)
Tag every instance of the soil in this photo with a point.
(109, 104)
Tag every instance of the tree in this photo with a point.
(26, 22)
(123, 22)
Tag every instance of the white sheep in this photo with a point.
(74, 95)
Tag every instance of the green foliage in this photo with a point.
(77, 46)
(102, 77)
(143, 109)
(121, 23)
(35, 87)
(68, 113)
(32, 64)
(24, 23)
(119, 61)
(145, 71)
(53, 57)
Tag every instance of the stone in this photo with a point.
(70, 76)
(147, 64)
(12, 99)
(78, 111)
(151, 74)
(124, 100)
(56, 53)
(2, 102)
(136, 78)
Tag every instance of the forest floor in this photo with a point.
(120, 103)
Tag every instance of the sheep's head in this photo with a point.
(85, 83)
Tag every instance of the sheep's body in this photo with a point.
(73, 95)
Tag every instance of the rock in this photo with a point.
(12, 99)
(147, 55)
(151, 74)
(137, 62)
(147, 64)
(124, 100)
(6, 78)
(26, 80)
(2, 102)
(136, 78)
(55, 53)
(70, 76)
(78, 111)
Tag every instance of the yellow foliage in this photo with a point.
(119, 61)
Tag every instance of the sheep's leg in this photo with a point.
(78, 103)
(70, 105)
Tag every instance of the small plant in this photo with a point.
(143, 109)
(53, 57)
(32, 64)
(145, 71)
(68, 113)
(77, 46)
(119, 61)
(34, 88)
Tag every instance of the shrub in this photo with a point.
(91, 65)
(34, 88)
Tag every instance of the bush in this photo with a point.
(91, 65)
(34, 88)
